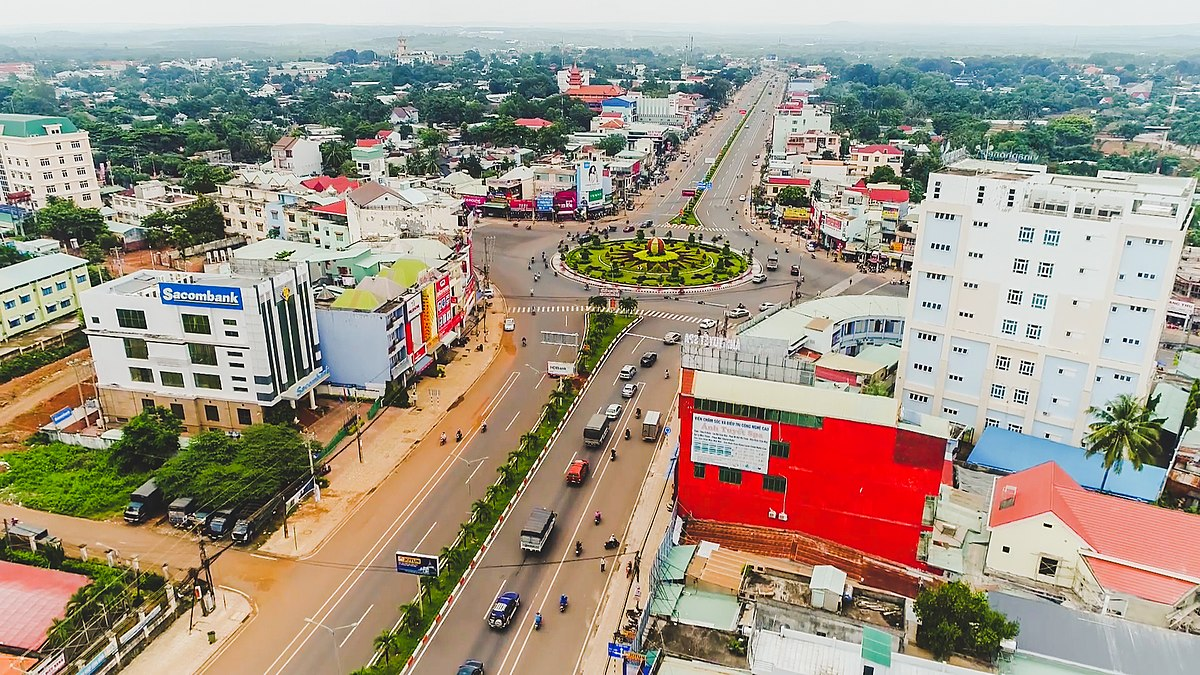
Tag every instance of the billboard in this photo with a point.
(429, 318)
(796, 213)
(444, 304)
(418, 564)
(414, 321)
(197, 295)
(520, 204)
(472, 201)
(589, 182)
(545, 203)
(733, 444)
(891, 213)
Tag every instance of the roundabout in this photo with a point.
(657, 263)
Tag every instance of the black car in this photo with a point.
(649, 359)
(471, 667)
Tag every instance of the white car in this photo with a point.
(628, 372)
(672, 338)
(811, 246)
(737, 312)
(708, 323)
(741, 198)
(628, 390)
(758, 278)
(765, 306)
(510, 324)
(613, 411)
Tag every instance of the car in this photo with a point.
(471, 667)
(627, 372)
(706, 324)
(613, 411)
(765, 306)
(672, 338)
(795, 271)
(628, 228)
(510, 324)
(737, 312)
(489, 292)
(758, 278)
(649, 359)
(504, 609)
(741, 198)
(811, 247)
(200, 518)
(578, 472)
(628, 390)
(646, 223)
(754, 163)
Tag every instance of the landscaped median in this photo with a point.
(397, 649)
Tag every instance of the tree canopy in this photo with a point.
(956, 619)
(150, 438)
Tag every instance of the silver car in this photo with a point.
(628, 390)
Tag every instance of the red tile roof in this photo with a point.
(31, 598)
(337, 208)
(785, 180)
(532, 122)
(613, 124)
(340, 184)
(879, 149)
(367, 142)
(605, 90)
(1147, 551)
(885, 195)
(383, 133)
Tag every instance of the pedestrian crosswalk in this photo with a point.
(649, 313)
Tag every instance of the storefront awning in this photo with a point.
(421, 364)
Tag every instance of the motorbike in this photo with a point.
(562, 604)
(611, 543)
(443, 438)
(627, 435)
(638, 413)
(483, 428)
(523, 342)
(458, 436)
(537, 621)
(613, 454)
(596, 518)
(578, 549)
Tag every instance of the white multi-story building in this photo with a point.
(301, 156)
(40, 291)
(47, 157)
(215, 349)
(141, 200)
(1035, 296)
(795, 119)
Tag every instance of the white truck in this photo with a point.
(651, 426)
(537, 530)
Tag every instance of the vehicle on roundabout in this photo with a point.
(738, 312)
(672, 338)
(627, 372)
(510, 324)
(758, 278)
(766, 306)
(706, 324)
(649, 359)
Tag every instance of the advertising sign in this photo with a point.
(197, 295)
(733, 444)
(418, 563)
(444, 304)
(62, 415)
(545, 203)
(891, 213)
(412, 315)
(429, 317)
(472, 201)
(1180, 307)
(560, 369)
(589, 182)
(520, 204)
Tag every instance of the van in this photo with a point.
(144, 502)
(489, 292)
(179, 513)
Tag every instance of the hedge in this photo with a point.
(23, 364)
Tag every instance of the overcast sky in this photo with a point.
(661, 13)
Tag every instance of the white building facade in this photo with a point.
(1035, 296)
(47, 157)
(147, 198)
(794, 119)
(215, 349)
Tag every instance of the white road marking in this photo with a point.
(355, 626)
(477, 465)
(262, 557)
(422, 541)
(514, 419)
(488, 612)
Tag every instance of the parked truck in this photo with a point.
(596, 431)
(179, 513)
(537, 530)
(144, 502)
(651, 425)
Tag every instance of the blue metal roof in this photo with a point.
(1010, 452)
(616, 102)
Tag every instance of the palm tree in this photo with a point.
(384, 642)
(628, 304)
(560, 397)
(1124, 431)
(598, 302)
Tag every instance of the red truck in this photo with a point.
(578, 472)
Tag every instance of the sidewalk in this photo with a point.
(184, 647)
(386, 442)
(650, 519)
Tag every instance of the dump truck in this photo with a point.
(537, 530)
(651, 425)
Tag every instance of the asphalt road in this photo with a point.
(540, 579)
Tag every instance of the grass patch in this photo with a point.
(67, 479)
(686, 263)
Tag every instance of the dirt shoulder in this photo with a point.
(27, 402)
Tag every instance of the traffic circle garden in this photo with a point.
(657, 262)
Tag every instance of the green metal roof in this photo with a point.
(25, 126)
(28, 271)
(404, 272)
(357, 298)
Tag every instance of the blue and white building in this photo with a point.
(1035, 295)
(217, 349)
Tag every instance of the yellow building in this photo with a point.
(43, 290)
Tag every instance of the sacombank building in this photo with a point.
(216, 349)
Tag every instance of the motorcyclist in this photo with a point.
(578, 547)
(458, 435)
(666, 374)
(443, 438)
(612, 540)
(597, 517)
(523, 342)
(626, 433)
(562, 600)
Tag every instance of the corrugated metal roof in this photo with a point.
(27, 271)
(796, 398)
(31, 598)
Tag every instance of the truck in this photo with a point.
(179, 512)
(537, 529)
(773, 261)
(688, 192)
(596, 431)
(651, 425)
(144, 502)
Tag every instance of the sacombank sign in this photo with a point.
(195, 295)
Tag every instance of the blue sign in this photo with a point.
(61, 416)
(704, 185)
(196, 295)
(544, 203)
(617, 650)
(418, 563)
(667, 431)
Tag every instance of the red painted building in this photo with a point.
(837, 464)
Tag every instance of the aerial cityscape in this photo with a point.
(855, 348)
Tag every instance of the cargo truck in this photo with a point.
(179, 513)
(596, 431)
(773, 262)
(144, 502)
(651, 425)
(537, 530)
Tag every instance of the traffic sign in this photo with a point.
(704, 185)
(617, 650)
(666, 431)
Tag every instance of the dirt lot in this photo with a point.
(27, 402)
(133, 261)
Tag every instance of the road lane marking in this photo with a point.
(514, 419)
(355, 626)
(376, 549)
(487, 613)
(477, 465)
(262, 557)
(422, 541)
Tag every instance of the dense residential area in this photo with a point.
(276, 396)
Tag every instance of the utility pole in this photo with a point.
(358, 426)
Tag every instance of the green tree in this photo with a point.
(334, 154)
(877, 388)
(1193, 402)
(792, 195)
(956, 619)
(148, 440)
(431, 138)
(61, 219)
(1124, 431)
(201, 178)
(883, 174)
(612, 144)
(598, 302)
(628, 304)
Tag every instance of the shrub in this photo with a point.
(23, 364)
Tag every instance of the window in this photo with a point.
(931, 305)
(1015, 296)
(999, 391)
(229, 322)
(1003, 362)
(937, 246)
(1033, 332)
(970, 284)
(131, 318)
(47, 290)
(1039, 301)
(1020, 266)
(1047, 567)
(1008, 327)
(780, 449)
(958, 349)
(774, 484)
(243, 416)
(1051, 237)
(80, 278)
(177, 410)
(170, 379)
(967, 315)
(927, 336)
(65, 303)
(135, 348)
(30, 317)
(25, 299)
(949, 411)
(697, 470)
(935, 277)
(231, 333)
(207, 381)
(147, 403)
(1020, 396)
(13, 323)
(925, 368)
(1045, 270)
(1026, 368)
(1016, 428)
(1025, 235)
(991, 422)
(196, 323)
(203, 355)
(211, 413)
(979, 223)
(731, 476)
(60, 286)
(975, 254)
(141, 374)
(9, 304)
(919, 398)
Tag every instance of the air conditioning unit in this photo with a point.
(783, 517)
(771, 514)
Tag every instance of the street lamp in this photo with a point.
(469, 463)
(337, 648)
